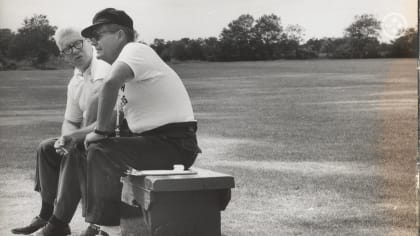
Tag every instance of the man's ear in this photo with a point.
(121, 34)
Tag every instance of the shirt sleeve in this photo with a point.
(139, 58)
(73, 112)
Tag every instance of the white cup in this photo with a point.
(179, 167)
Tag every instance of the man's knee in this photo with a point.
(46, 145)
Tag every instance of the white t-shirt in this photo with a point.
(81, 87)
(156, 96)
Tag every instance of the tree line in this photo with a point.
(244, 38)
(267, 39)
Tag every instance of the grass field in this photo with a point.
(323, 147)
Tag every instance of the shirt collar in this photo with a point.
(86, 74)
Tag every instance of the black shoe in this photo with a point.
(52, 230)
(93, 230)
(35, 224)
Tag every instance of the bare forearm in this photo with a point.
(91, 111)
(81, 133)
(69, 127)
(107, 99)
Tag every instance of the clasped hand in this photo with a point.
(64, 145)
(92, 137)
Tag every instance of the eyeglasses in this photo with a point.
(69, 49)
(97, 35)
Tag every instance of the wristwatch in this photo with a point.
(103, 133)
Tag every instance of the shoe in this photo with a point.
(93, 230)
(52, 230)
(35, 224)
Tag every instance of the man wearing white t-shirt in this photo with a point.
(60, 169)
(156, 106)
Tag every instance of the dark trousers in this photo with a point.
(59, 179)
(108, 159)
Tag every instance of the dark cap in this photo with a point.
(108, 16)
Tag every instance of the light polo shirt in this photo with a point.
(156, 95)
(82, 87)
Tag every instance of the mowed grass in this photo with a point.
(323, 147)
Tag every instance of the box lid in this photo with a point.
(202, 180)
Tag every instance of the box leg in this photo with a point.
(133, 222)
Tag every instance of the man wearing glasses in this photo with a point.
(60, 165)
(156, 106)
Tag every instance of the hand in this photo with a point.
(92, 137)
(60, 145)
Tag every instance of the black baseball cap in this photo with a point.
(108, 16)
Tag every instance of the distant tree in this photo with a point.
(295, 33)
(291, 39)
(311, 49)
(158, 45)
(384, 50)
(195, 49)
(327, 47)
(363, 34)
(184, 49)
(235, 39)
(315, 44)
(6, 36)
(166, 53)
(211, 49)
(406, 44)
(179, 50)
(371, 48)
(266, 36)
(34, 40)
(341, 48)
(364, 26)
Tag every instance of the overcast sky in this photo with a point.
(175, 19)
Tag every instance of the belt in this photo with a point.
(171, 129)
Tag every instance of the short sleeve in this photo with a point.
(73, 112)
(138, 57)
